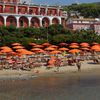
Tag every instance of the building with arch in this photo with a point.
(12, 12)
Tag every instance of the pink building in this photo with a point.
(24, 15)
(96, 27)
(84, 23)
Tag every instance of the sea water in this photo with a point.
(52, 88)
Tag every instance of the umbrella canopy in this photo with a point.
(85, 48)
(33, 44)
(74, 51)
(95, 48)
(26, 53)
(0, 53)
(53, 46)
(6, 50)
(16, 44)
(18, 47)
(74, 46)
(5, 47)
(63, 49)
(98, 50)
(40, 51)
(55, 52)
(63, 44)
(20, 50)
(36, 49)
(38, 46)
(46, 44)
(50, 49)
(84, 44)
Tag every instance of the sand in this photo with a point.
(87, 68)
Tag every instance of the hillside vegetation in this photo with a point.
(87, 10)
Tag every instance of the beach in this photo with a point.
(67, 84)
(47, 84)
(87, 68)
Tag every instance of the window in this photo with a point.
(11, 21)
(40, 11)
(21, 23)
(32, 23)
(43, 23)
(0, 10)
(19, 10)
(30, 11)
(11, 10)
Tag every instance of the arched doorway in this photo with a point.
(35, 22)
(55, 21)
(11, 21)
(45, 22)
(23, 22)
(1, 21)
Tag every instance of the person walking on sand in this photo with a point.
(58, 63)
(78, 64)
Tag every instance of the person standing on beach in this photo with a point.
(58, 63)
(78, 64)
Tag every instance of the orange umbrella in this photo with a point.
(36, 49)
(63, 49)
(63, 44)
(98, 50)
(33, 44)
(6, 50)
(74, 51)
(5, 47)
(16, 44)
(38, 46)
(26, 53)
(84, 44)
(55, 52)
(18, 47)
(51, 62)
(85, 48)
(21, 50)
(95, 47)
(41, 51)
(46, 44)
(49, 49)
(53, 46)
(74, 46)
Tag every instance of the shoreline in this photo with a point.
(86, 70)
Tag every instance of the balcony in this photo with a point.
(29, 10)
